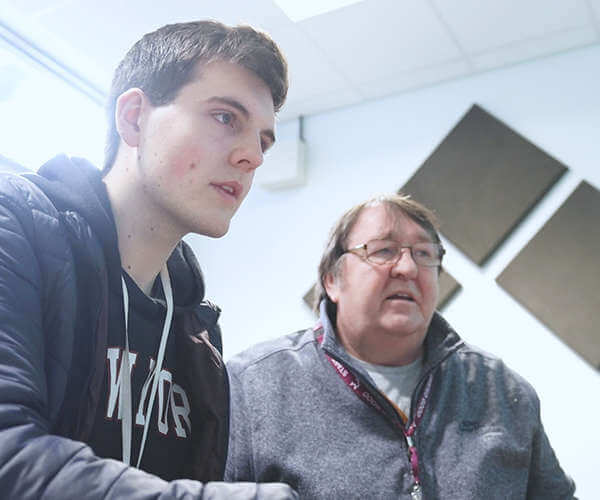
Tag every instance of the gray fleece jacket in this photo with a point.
(293, 419)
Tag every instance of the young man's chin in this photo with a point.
(217, 231)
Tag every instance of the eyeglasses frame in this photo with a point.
(442, 252)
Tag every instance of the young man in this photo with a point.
(382, 399)
(111, 378)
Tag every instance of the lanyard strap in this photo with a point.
(125, 395)
(365, 395)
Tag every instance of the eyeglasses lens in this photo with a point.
(386, 251)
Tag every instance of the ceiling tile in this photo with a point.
(413, 79)
(376, 38)
(366, 50)
(528, 49)
(33, 7)
(96, 31)
(107, 38)
(319, 103)
(310, 73)
(479, 26)
(30, 30)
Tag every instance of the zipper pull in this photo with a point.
(416, 493)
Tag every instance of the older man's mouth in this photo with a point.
(401, 296)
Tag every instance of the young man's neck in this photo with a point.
(145, 239)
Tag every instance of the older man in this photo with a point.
(382, 398)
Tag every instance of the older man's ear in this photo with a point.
(331, 285)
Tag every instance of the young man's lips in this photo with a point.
(229, 188)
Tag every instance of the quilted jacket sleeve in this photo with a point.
(35, 464)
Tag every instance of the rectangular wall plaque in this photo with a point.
(557, 275)
(481, 181)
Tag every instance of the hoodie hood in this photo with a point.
(74, 184)
(185, 273)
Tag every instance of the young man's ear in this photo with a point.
(128, 113)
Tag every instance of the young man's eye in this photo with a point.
(225, 117)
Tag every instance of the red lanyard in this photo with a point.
(364, 394)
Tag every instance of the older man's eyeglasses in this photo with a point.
(383, 252)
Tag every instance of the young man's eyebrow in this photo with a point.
(230, 101)
(234, 103)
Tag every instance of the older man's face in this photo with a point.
(383, 311)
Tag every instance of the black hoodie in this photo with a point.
(59, 264)
(74, 184)
(75, 187)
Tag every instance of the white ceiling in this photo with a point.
(364, 51)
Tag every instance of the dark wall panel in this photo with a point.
(481, 181)
(309, 296)
(448, 288)
(557, 275)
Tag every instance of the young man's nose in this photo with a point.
(248, 153)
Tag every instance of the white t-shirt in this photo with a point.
(396, 382)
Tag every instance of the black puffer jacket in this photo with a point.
(58, 258)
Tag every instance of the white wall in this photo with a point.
(42, 115)
(260, 270)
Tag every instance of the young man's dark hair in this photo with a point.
(112, 383)
(163, 61)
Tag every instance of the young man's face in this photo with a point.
(197, 155)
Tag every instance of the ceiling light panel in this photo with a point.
(297, 11)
